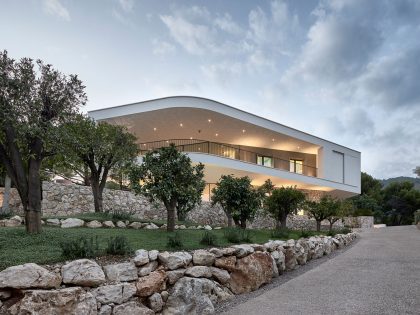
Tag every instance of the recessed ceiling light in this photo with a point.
(272, 139)
(181, 125)
(217, 134)
(167, 141)
(209, 120)
(243, 130)
(190, 138)
(298, 148)
(154, 129)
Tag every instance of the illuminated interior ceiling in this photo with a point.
(203, 124)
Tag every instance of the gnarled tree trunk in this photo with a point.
(5, 208)
(171, 209)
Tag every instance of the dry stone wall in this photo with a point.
(156, 282)
(67, 200)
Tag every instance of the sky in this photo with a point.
(344, 70)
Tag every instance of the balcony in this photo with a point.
(234, 152)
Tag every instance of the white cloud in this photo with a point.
(226, 24)
(55, 8)
(162, 47)
(126, 5)
(222, 73)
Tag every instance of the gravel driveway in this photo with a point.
(380, 274)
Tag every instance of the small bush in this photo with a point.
(208, 239)
(118, 245)
(235, 235)
(305, 234)
(417, 217)
(280, 233)
(81, 247)
(5, 216)
(121, 215)
(362, 212)
(175, 241)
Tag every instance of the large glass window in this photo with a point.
(265, 160)
(296, 166)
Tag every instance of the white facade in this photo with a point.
(230, 141)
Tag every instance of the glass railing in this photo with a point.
(231, 151)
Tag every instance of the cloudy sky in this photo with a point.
(344, 70)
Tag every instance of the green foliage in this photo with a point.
(281, 233)
(362, 212)
(35, 101)
(305, 234)
(81, 247)
(168, 175)
(324, 209)
(237, 197)
(417, 171)
(118, 245)
(121, 215)
(282, 202)
(208, 239)
(112, 185)
(237, 235)
(175, 241)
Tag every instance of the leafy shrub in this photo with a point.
(175, 241)
(235, 235)
(118, 245)
(81, 247)
(362, 212)
(121, 215)
(5, 215)
(305, 234)
(280, 233)
(208, 239)
(417, 217)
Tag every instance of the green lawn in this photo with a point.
(17, 247)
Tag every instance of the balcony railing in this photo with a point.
(231, 151)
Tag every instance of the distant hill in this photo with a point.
(414, 180)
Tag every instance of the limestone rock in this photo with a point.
(151, 226)
(154, 282)
(174, 260)
(227, 263)
(28, 276)
(108, 224)
(280, 260)
(199, 272)
(71, 223)
(83, 272)
(220, 275)
(132, 308)
(217, 252)
(105, 310)
(229, 251)
(54, 222)
(5, 294)
(251, 272)
(121, 224)
(243, 250)
(69, 301)
(207, 227)
(94, 224)
(11, 223)
(141, 257)
(175, 275)
(290, 259)
(155, 302)
(153, 254)
(117, 293)
(203, 258)
(148, 268)
(164, 295)
(121, 272)
(136, 225)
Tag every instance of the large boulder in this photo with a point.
(121, 272)
(28, 276)
(174, 260)
(203, 258)
(198, 272)
(83, 272)
(108, 224)
(243, 250)
(220, 275)
(251, 272)
(69, 301)
(148, 268)
(154, 282)
(72, 222)
(153, 254)
(141, 257)
(175, 275)
(132, 307)
(155, 302)
(94, 224)
(13, 221)
(117, 293)
(228, 263)
(191, 296)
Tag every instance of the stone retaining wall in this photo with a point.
(156, 282)
(66, 200)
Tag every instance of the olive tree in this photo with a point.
(343, 209)
(35, 100)
(282, 202)
(238, 199)
(98, 148)
(323, 209)
(168, 175)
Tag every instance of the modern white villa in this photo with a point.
(230, 141)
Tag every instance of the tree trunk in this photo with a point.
(318, 225)
(331, 226)
(6, 195)
(33, 207)
(278, 224)
(283, 221)
(230, 219)
(171, 207)
(237, 223)
(97, 195)
(243, 223)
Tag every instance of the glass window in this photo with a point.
(296, 166)
(265, 160)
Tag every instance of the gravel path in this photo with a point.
(379, 274)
